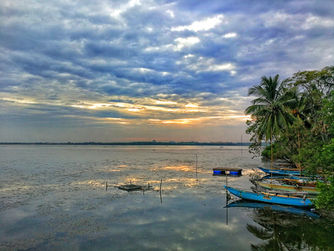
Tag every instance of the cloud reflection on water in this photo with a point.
(64, 188)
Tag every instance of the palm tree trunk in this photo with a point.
(299, 164)
(271, 149)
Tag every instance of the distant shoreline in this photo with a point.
(144, 143)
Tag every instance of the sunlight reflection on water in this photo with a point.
(55, 197)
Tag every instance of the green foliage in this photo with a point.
(317, 153)
(309, 155)
(325, 200)
(269, 108)
(326, 162)
(328, 113)
(269, 111)
(266, 153)
(327, 157)
(278, 152)
(297, 116)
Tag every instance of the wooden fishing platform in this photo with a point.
(130, 187)
(133, 187)
(227, 171)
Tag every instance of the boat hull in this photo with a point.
(280, 171)
(310, 190)
(273, 199)
(294, 180)
(297, 182)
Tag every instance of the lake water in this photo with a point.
(55, 198)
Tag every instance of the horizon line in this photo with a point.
(153, 142)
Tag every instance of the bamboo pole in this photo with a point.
(160, 191)
(196, 166)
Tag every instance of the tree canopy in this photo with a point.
(297, 117)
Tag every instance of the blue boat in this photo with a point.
(271, 198)
(278, 208)
(281, 171)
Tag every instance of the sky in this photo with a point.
(119, 70)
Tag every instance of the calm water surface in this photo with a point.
(55, 198)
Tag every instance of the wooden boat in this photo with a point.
(281, 171)
(279, 208)
(306, 189)
(300, 178)
(295, 180)
(271, 198)
(299, 182)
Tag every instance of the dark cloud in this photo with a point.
(68, 51)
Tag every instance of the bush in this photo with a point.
(325, 200)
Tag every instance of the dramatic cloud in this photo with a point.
(142, 70)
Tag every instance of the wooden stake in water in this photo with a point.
(196, 166)
(106, 185)
(160, 191)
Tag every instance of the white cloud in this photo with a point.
(230, 35)
(296, 21)
(185, 42)
(315, 21)
(179, 44)
(220, 67)
(203, 25)
(143, 70)
(233, 72)
(170, 13)
(116, 13)
(203, 64)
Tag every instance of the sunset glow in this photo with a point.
(119, 70)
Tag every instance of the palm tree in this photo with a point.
(270, 109)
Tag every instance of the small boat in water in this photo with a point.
(271, 198)
(295, 180)
(299, 182)
(298, 178)
(279, 208)
(281, 171)
(291, 188)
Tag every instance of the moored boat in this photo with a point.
(271, 198)
(299, 178)
(306, 189)
(281, 171)
(298, 182)
(295, 180)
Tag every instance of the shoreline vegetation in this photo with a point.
(135, 143)
(296, 117)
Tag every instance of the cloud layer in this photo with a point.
(127, 70)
